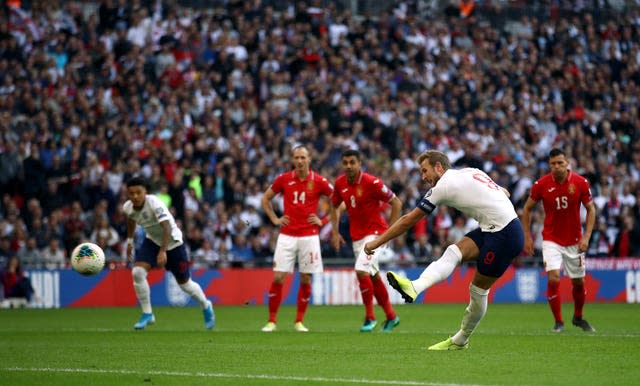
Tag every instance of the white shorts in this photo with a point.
(364, 262)
(305, 250)
(556, 256)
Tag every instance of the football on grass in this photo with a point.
(87, 259)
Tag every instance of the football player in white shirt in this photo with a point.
(493, 245)
(162, 247)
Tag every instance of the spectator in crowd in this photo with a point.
(627, 243)
(30, 255)
(599, 245)
(5, 250)
(39, 232)
(205, 256)
(112, 257)
(74, 227)
(106, 232)
(14, 282)
(53, 256)
(457, 230)
(241, 253)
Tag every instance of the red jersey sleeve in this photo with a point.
(586, 192)
(536, 191)
(336, 198)
(380, 191)
(327, 188)
(277, 185)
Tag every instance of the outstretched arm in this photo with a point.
(403, 224)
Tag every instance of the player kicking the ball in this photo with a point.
(162, 247)
(493, 246)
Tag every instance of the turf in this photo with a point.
(512, 346)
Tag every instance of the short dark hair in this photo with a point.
(136, 181)
(351, 153)
(556, 152)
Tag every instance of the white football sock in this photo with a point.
(439, 269)
(472, 315)
(141, 286)
(195, 291)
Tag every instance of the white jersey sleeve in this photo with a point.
(149, 218)
(475, 194)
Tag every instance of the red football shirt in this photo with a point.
(561, 203)
(301, 200)
(364, 200)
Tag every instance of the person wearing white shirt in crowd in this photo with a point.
(52, 255)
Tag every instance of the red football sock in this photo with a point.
(553, 296)
(382, 297)
(579, 293)
(304, 295)
(275, 297)
(366, 290)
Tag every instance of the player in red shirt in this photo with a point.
(365, 198)
(561, 192)
(299, 240)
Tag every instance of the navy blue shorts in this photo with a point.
(177, 259)
(498, 249)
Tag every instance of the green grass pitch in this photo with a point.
(512, 346)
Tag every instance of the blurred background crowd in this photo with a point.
(206, 99)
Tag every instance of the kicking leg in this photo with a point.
(434, 273)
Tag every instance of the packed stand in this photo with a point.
(207, 103)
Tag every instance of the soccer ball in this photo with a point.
(87, 259)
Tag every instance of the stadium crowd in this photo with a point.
(207, 103)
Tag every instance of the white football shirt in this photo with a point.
(150, 216)
(475, 194)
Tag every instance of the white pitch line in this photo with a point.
(231, 375)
